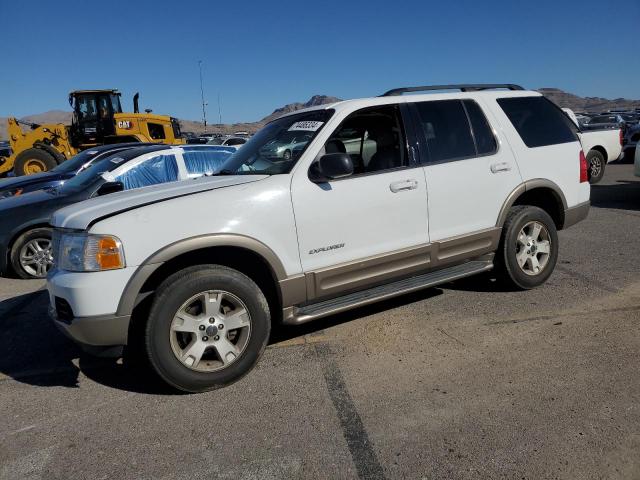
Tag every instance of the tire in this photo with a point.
(27, 260)
(286, 155)
(512, 248)
(165, 345)
(33, 160)
(597, 164)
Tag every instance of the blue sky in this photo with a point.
(261, 55)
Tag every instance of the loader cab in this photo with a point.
(93, 112)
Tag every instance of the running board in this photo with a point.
(335, 305)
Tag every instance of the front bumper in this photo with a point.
(103, 330)
(83, 305)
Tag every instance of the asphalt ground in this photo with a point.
(462, 381)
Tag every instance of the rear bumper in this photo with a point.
(576, 214)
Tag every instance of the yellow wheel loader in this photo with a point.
(97, 120)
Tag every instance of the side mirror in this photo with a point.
(110, 187)
(331, 166)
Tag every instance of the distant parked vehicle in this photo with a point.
(630, 142)
(287, 147)
(601, 146)
(234, 141)
(607, 121)
(29, 183)
(25, 236)
(228, 141)
(636, 169)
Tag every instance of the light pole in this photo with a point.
(204, 111)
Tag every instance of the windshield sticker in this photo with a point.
(309, 126)
(117, 160)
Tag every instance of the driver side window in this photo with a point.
(373, 138)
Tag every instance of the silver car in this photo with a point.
(286, 148)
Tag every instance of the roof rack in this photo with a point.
(464, 87)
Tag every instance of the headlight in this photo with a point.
(83, 252)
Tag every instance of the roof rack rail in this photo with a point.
(464, 87)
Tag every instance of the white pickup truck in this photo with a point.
(601, 146)
(386, 196)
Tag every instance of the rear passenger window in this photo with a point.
(446, 130)
(538, 121)
(201, 162)
(160, 169)
(482, 134)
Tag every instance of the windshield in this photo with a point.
(89, 176)
(272, 150)
(78, 161)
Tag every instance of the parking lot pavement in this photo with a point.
(462, 381)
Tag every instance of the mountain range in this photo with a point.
(560, 97)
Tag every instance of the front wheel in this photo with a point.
(31, 255)
(596, 163)
(528, 249)
(207, 327)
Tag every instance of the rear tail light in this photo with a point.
(584, 176)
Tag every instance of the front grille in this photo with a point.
(64, 313)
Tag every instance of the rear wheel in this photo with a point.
(528, 249)
(32, 161)
(596, 163)
(207, 327)
(31, 255)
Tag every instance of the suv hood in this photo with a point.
(81, 215)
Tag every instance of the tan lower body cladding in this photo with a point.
(347, 277)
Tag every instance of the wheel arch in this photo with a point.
(22, 229)
(538, 192)
(245, 254)
(602, 150)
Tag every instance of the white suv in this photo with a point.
(388, 195)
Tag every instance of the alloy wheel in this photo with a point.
(533, 248)
(210, 331)
(36, 257)
(596, 167)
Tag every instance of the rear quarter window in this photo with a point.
(538, 121)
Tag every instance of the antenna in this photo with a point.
(204, 111)
(219, 110)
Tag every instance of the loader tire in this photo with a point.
(33, 160)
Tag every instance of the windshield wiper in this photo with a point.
(226, 171)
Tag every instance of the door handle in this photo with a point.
(500, 167)
(403, 185)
